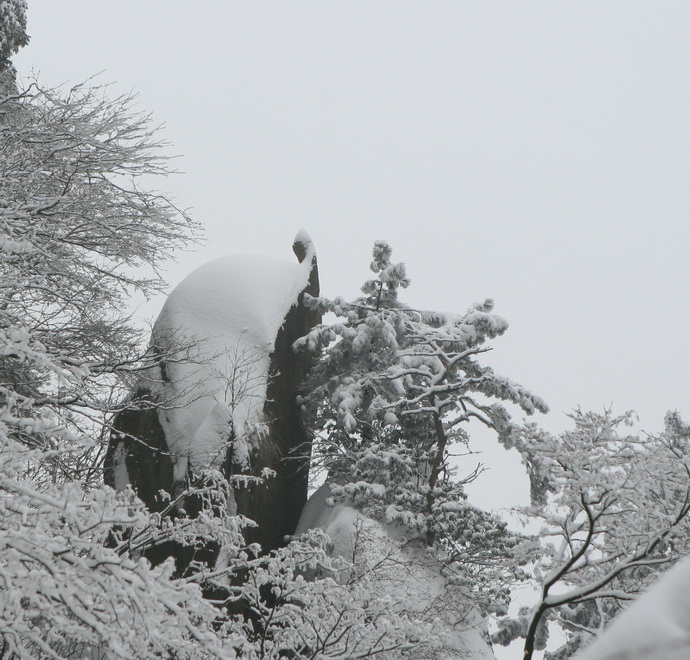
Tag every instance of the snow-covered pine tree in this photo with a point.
(387, 402)
(12, 37)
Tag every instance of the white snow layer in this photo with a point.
(230, 311)
(403, 570)
(655, 627)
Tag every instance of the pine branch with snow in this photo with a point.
(389, 399)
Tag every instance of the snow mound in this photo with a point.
(220, 324)
(655, 627)
(404, 570)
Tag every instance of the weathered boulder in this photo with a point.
(224, 390)
(399, 563)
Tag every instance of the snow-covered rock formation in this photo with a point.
(224, 392)
(225, 387)
(402, 568)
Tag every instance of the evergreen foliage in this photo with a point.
(389, 396)
(12, 29)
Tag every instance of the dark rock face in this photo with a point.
(277, 504)
(139, 440)
(138, 452)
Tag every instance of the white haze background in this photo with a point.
(536, 152)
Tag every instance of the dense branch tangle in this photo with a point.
(614, 510)
(79, 235)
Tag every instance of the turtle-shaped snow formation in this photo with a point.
(224, 390)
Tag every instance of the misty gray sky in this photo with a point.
(536, 152)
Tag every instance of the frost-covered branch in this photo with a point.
(615, 512)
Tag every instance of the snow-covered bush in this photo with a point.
(304, 603)
(69, 590)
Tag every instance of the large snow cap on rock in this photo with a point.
(230, 310)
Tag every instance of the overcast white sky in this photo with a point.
(534, 152)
